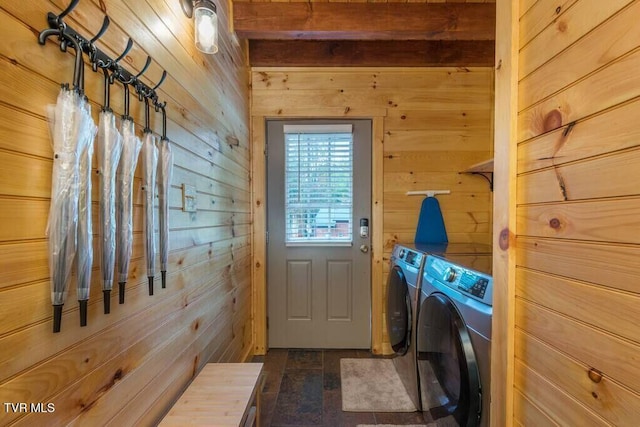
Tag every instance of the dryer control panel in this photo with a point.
(469, 282)
(473, 284)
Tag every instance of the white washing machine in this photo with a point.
(454, 343)
(403, 286)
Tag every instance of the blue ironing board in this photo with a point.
(431, 227)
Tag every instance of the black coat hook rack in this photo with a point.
(67, 36)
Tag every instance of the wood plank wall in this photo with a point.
(126, 367)
(577, 298)
(382, 1)
(434, 123)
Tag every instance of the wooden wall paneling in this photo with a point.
(443, 180)
(378, 293)
(425, 100)
(391, 239)
(83, 370)
(293, 78)
(585, 261)
(398, 201)
(504, 204)
(614, 220)
(117, 380)
(524, 6)
(127, 411)
(606, 132)
(142, 313)
(528, 413)
(614, 402)
(465, 221)
(609, 87)
(192, 360)
(612, 175)
(616, 37)
(562, 408)
(389, 1)
(436, 139)
(537, 16)
(596, 348)
(577, 104)
(259, 238)
(569, 26)
(600, 307)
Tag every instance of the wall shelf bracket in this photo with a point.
(484, 169)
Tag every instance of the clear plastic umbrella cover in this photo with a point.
(131, 146)
(165, 172)
(63, 212)
(149, 168)
(109, 151)
(84, 253)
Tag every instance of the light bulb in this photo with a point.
(206, 29)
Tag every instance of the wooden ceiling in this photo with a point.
(367, 34)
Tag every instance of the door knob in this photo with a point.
(364, 248)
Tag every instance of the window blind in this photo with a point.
(318, 183)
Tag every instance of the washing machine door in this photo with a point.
(447, 366)
(398, 311)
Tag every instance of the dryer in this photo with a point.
(454, 343)
(403, 285)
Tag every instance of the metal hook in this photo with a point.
(90, 47)
(116, 68)
(144, 69)
(69, 8)
(123, 54)
(45, 34)
(78, 70)
(125, 115)
(105, 25)
(164, 76)
(162, 106)
(146, 129)
(108, 81)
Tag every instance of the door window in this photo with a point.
(318, 184)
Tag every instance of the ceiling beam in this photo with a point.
(378, 53)
(368, 21)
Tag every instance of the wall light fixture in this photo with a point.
(206, 23)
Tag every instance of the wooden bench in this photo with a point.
(222, 394)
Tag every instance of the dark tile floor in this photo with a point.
(302, 388)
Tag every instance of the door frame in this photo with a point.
(259, 221)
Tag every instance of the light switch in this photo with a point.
(189, 203)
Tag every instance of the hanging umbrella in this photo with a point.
(165, 172)
(84, 257)
(149, 167)
(65, 124)
(126, 169)
(109, 151)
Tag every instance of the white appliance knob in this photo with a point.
(449, 274)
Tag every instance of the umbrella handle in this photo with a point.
(121, 286)
(106, 301)
(57, 317)
(83, 312)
